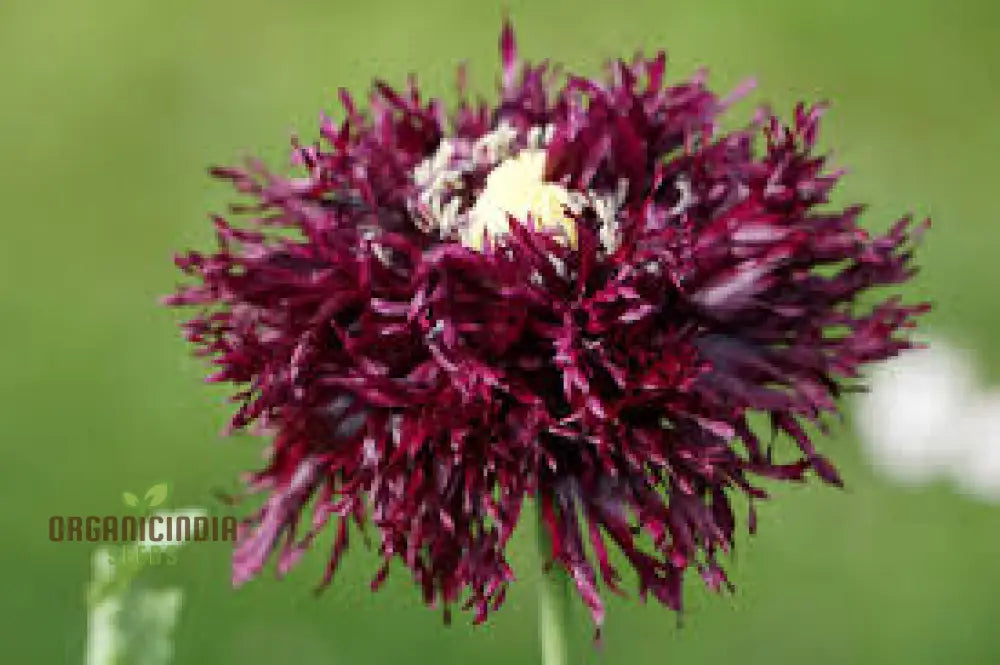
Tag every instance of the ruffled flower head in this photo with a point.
(581, 295)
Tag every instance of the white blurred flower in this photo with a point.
(148, 623)
(908, 418)
(125, 622)
(978, 472)
(134, 627)
(104, 640)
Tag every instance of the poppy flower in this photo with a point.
(585, 295)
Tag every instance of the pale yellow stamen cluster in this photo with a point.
(516, 188)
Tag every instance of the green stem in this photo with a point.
(553, 603)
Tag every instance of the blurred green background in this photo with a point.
(113, 108)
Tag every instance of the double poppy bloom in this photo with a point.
(582, 295)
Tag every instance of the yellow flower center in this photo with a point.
(515, 188)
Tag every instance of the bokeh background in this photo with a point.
(113, 108)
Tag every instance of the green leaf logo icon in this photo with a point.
(156, 495)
